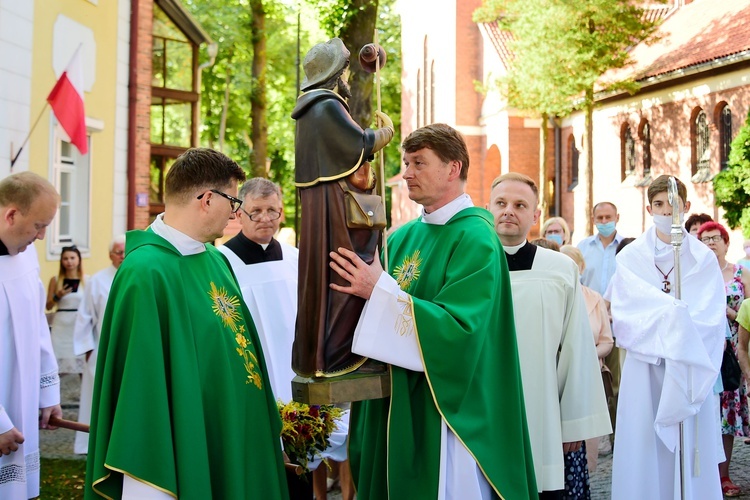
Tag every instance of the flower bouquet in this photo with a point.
(306, 429)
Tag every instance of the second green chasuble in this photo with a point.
(457, 277)
(182, 399)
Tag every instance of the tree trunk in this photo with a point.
(357, 33)
(543, 190)
(259, 134)
(588, 145)
(224, 110)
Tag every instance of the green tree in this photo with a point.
(245, 112)
(355, 22)
(732, 185)
(561, 49)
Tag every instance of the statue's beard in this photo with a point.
(343, 88)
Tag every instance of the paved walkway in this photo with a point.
(59, 444)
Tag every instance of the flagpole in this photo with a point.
(13, 160)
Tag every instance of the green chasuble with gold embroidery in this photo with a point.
(182, 399)
(457, 277)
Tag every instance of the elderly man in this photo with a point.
(331, 168)
(28, 370)
(564, 395)
(454, 425)
(266, 271)
(87, 330)
(183, 405)
(674, 355)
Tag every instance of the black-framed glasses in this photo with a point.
(708, 239)
(257, 215)
(71, 248)
(236, 202)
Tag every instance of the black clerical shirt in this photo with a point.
(523, 259)
(3, 249)
(251, 252)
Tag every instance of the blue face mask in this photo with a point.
(555, 237)
(606, 229)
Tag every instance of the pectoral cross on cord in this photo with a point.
(666, 288)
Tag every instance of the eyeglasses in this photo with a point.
(236, 202)
(709, 239)
(257, 215)
(71, 248)
(119, 253)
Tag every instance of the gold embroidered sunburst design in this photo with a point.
(228, 309)
(225, 307)
(408, 271)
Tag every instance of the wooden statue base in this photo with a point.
(342, 389)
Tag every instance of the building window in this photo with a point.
(432, 92)
(573, 155)
(627, 153)
(426, 86)
(646, 149)
(72, 176)
(725, 135)
(701, 150)
(420, 121)
(174, 101)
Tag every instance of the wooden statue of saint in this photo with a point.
(332, 165)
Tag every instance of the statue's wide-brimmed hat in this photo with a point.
(323, 61)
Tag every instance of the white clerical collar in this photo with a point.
(181, 241)
(442, 215)
(512, 250)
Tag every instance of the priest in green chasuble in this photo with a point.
(442, 317)
(183, 406)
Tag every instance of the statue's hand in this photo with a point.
(385, 120)
(361, 277)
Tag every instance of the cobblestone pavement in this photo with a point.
(59, 444)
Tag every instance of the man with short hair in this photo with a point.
(29, 382)
(599, 252)
(183, 405)
(266, 271)
(332, 155)
(674, 351)
(87, 330)
(565, 402)
(454, 425)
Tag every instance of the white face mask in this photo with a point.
(664, 222)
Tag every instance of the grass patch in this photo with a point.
(62, 479)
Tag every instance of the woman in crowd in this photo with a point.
(556, 229)
(65, 292)
(735, 417)
(596, 308)
(695, 221)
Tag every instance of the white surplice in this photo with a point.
(28, 370)
(378, 336)
(88, 327)
(562, 382)
(674, 355)
(270, 291)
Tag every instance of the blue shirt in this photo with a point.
(600, 262)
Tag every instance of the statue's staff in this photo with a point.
(676, 240)
(372, 57)
(80, 427)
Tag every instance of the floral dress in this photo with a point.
(735, 416)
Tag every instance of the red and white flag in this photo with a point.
(66, 100)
